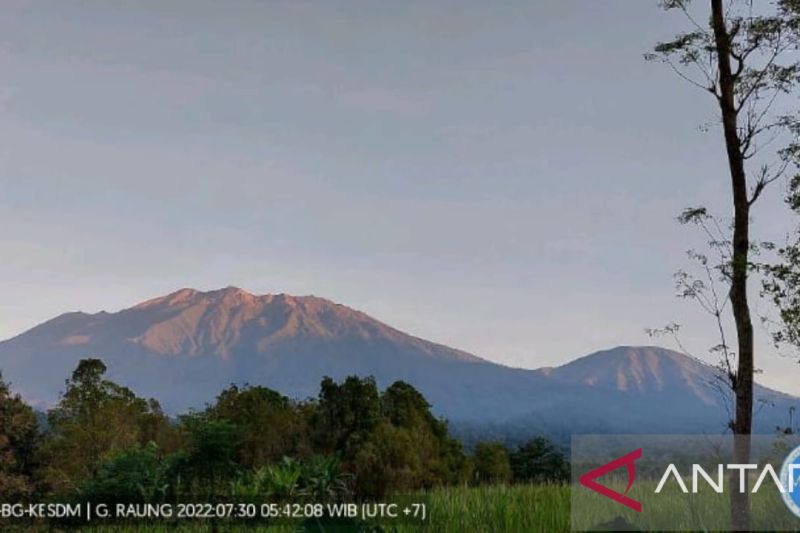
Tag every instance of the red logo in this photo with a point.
(629, 459)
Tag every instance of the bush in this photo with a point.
(538, 461)
(132, 476)
(491, 463)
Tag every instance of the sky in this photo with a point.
(499, 177)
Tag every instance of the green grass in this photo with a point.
(528, 508)
(673, 509)
(498, 508)
(522, 508)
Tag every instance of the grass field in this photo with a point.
(456, 509)
(499, 508)
(531, 508)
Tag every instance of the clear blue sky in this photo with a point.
(502, 177)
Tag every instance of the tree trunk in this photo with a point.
(743, 382)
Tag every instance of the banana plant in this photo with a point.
(283, 479)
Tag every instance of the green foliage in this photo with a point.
(781, 281)
(491, 463)
(208, 465)
(345, 414)
(404, 406)
(19, 440)
(131, 476)
(387, 460)
(250, 485)
(324, 480)
(538, 461)
(389, 442)
(95, 420)
(269, 425)
(319, 479)
(105, 444)
(283, 479)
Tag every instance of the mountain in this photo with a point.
(649, 389)
(185, 347)
(642, 370)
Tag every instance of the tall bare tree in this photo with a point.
(744, 54)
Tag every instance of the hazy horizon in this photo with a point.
(503, 179)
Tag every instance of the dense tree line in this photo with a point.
(102, 442)
(19, 438)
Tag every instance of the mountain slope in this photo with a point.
(185, 347)
(645, 369)
(647, 389)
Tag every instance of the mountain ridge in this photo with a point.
(186, 346)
